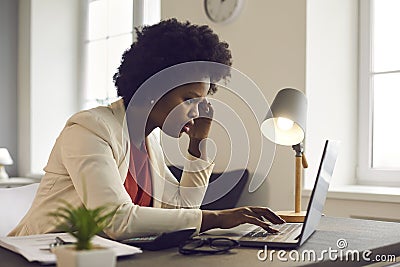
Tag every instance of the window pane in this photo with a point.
(97, 70)
(386, 127)
(116, 47)
(152, 12)
(97, 19)
(120, 19)
(386, 39)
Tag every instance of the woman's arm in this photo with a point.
(89, 154)
(190, 191)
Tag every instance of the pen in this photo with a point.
(59, 242)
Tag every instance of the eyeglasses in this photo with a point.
(207, 246)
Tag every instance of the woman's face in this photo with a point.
(175, 112)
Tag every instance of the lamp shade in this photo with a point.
(285, 122)
(5, 157)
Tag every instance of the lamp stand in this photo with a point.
(301, 162)
(3, 173)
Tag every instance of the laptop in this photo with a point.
(291, 235)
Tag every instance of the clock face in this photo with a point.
(222, 10)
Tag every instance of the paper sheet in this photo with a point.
(36, 247)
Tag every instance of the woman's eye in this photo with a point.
(190, 100)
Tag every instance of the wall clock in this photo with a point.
(223, 11)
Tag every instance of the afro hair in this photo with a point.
(166, 44)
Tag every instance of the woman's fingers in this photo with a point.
(233, 217)
(262, 224)
(256, 215)
(210, 109)
(205, 109)
(267, 214)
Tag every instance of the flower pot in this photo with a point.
(68, 256)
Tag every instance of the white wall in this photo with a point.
(268, 44)
(8, 79)
(48, 60)
(332, 85)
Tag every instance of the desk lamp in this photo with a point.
(285, 124)
(5, 159)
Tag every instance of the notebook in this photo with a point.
(291, 235)
(36, 247)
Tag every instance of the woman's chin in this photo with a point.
(183, 131)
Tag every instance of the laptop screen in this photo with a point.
(318, 196)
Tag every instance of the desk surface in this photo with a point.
(382, 238)
(17, 181)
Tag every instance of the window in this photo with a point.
(110, 25)
(379, 147)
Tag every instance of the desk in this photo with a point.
(18, 181)
(380, 237)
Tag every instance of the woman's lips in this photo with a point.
(186, 127)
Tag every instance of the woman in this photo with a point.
(93, 151)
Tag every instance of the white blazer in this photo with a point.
(94, 147)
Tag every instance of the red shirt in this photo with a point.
(138, 180)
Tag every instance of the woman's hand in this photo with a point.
(202, 123)
(233, 217)
(200, 129)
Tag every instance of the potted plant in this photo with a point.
(83, 224)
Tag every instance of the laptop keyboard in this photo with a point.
(285, 231)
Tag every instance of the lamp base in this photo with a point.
(291, 216)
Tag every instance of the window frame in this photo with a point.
(143, 14)
(365, 173)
